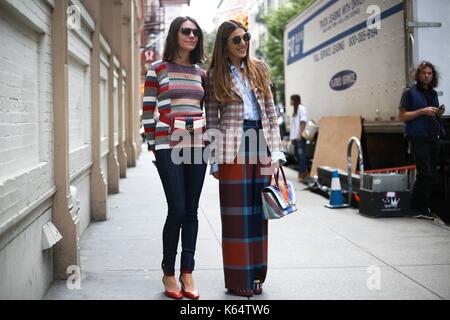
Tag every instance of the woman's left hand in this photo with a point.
(278, 158)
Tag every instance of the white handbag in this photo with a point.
(310, 130)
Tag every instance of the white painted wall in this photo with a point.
(78, 103)
(19, 96)
(124, 106)
(82, 183)
(26, 139)
(26, 276)
(104, 113)
(80, 118)
(116, 108)
(26, 147)
(104, 102)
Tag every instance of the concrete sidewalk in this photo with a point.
(317, 253)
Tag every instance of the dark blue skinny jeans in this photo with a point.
(182, 185)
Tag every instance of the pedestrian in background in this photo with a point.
(298, 122)
(420, 110)
(175, 85)
(239, 100)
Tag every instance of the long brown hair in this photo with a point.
(255, 69)
(296, 101)
(425, 64)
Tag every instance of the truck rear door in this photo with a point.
(428, 24)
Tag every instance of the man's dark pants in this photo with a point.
(426, 156)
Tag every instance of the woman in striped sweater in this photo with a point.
(174, 87)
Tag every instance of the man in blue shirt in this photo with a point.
(420, 110)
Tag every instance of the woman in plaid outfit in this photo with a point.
(239, 106)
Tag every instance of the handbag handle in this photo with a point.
(277, 174)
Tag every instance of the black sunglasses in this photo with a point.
(246, 37)
(188, 31)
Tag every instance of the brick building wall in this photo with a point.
(29, 127)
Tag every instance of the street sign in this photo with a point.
(149, 55)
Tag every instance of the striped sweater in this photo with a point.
(169, 87)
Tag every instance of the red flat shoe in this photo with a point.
(177, 295)
(193, 295)
(242, 293)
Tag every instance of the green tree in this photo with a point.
(276, 21)
(209, 39)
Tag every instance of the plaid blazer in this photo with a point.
(229, 119)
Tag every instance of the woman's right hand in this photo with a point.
(216, 175)
(429, 111)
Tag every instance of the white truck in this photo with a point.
(355, 57)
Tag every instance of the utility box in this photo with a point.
(324, 178)
(384, 195)
(384, 204)
(383, 182)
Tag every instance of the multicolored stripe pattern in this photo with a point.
(170, 87)
(244, 228)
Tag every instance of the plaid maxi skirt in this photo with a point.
(244, 228)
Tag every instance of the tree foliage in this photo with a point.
(209, 39)
(276, 21)
(208, 45)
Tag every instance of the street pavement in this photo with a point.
(315, 253)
